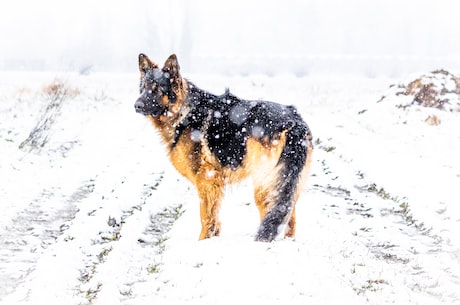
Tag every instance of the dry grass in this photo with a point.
(55, 94)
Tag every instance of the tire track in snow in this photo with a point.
(33, 230)
(111, 235)
(405, 254)
(99, 247)
(132, 251)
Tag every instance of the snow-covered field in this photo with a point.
(93, 213)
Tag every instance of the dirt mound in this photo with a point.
(439, 89)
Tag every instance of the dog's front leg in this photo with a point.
(211, 191)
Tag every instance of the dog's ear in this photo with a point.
(172, 67)
(145, 63)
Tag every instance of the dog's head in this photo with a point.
(161, 89)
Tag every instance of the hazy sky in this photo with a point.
(108, 35)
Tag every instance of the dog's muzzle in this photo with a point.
(142, 106)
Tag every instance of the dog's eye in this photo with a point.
(153, 89)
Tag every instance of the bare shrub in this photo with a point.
(439, 89)
(55, 94)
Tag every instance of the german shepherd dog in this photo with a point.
(214, 140)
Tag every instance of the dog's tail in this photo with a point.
(291, 164)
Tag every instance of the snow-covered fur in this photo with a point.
(216, 140)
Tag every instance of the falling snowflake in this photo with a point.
(195, 135)
(238, 114)
(257, 132)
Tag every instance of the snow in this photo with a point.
(99, 216)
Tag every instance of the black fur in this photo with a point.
(232, 120)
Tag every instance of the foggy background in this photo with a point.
(371, 38)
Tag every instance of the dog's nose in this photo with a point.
(139, 106)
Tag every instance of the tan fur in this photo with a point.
(210, 178)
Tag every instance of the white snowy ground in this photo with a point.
(99, 216)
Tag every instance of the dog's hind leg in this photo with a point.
(210, 188)
(279, 211)
(291, 225)
(264, 201)
(294, 161)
